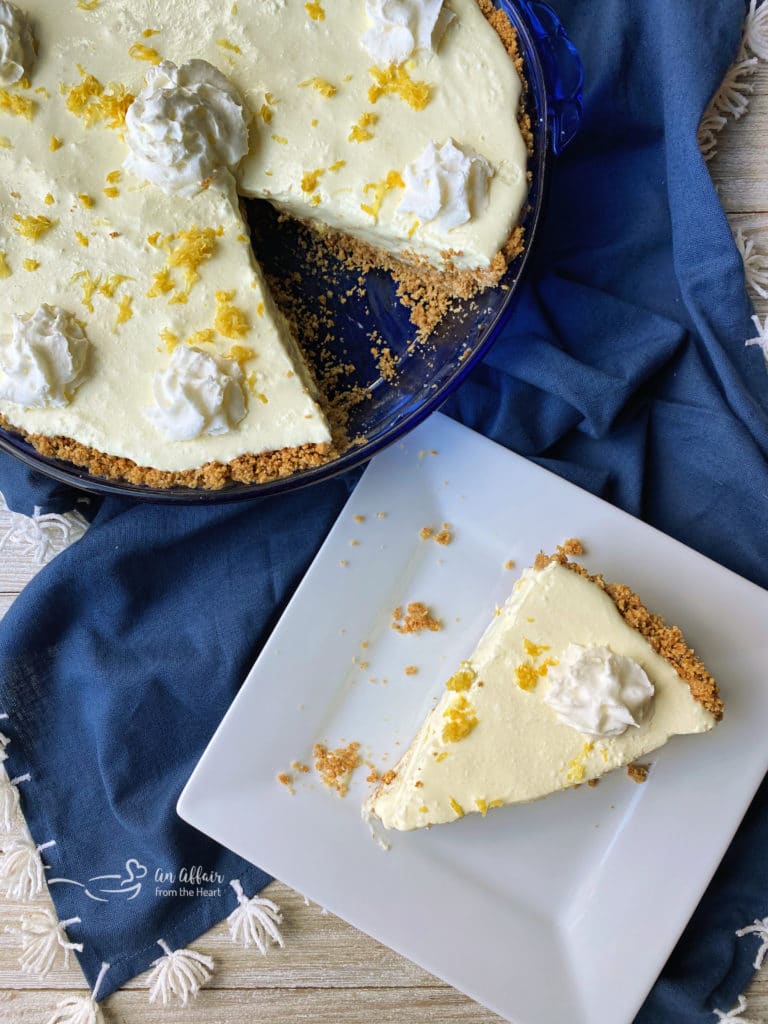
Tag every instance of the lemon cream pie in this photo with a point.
(137, 334)
(573, 678)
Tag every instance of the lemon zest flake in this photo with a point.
(33, 228)
(49, 200)
(141, 52)
(193, 248)
(169, 339)
(5, 270)
(82, 239)
(462, 678)
(315, 10)
(108, 287)
(281, 139)
(457, 808)
(204, 337)
(359, 131)
(92, 103)
(482, 806)
(392, 181)
(162, 283)
(31, 265)
(226, 45)
(230, 321)
(321, 85)
(310, 179)
(461, 719)
(124, 310)
(526, 676)
(395, 81)
(18, 106)
(88, 5)
(86, 201)
(240, 354)
(90, 286)
(534, 650)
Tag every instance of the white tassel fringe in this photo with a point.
(254, 921)
(9, 800)
(761, 340)
(43, 536)
(760, 929)
(732, 98)
(4, 740)
(22, 873)
(81, 1009)
(733, 1016)
(756, 29)
(42, 936)
(755, 264)
(179, 972)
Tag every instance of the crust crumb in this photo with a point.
(299, 766)
(335, 767)
(286, 780)
(389, 777)
(445, 536)
(593, 782)
(417, 618)
(638, 772)
(411, 670)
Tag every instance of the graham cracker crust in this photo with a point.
(668, 641)
(245, 469)
(426, 291)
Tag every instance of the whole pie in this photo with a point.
(573, 678)
(138, 336)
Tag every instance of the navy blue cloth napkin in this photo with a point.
(623, 369)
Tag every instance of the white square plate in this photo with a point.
(562, 910)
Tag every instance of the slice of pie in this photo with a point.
(573, 678)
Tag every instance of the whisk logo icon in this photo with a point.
(122, 887)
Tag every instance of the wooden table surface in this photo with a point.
(329, 972)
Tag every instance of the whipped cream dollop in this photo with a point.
(185, 125)
(447, 185)
(597, 692)
(401, 27)
(197, 394)
(43, 362)
(17, 47)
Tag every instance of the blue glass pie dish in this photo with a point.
(426, 373)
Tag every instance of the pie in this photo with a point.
(138, 336)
